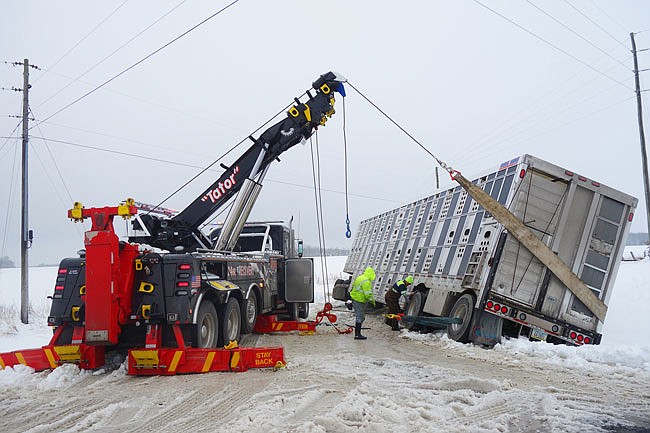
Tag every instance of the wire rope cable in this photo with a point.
(442, 164)
(315, 165)
(348, 232)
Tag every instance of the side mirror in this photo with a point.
(300, 250)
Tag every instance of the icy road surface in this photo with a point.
(392, 382)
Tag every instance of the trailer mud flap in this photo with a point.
(486, 329)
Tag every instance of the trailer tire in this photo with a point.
(230, 315)
(206, 334)
(249, 313)
(414, 307)
(462, 309)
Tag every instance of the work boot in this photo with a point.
(357, 332)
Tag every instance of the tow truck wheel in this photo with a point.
(230, 315)
(293, 310)
(463, 309)
(207, 326)
(249, 313)
(303, 310)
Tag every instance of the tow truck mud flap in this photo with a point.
(486, 328)
(269, 324)
(167, 362)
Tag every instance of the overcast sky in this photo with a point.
(476, 82)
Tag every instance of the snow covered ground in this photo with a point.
(398, 382)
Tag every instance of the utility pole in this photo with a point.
(644, 156)
(25, 237)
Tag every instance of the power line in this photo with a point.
(141, 60)
(65, 186)
(555, 114)
(608, 16)
(84, 38)
(596, 24)
(113, 53)
(503, 144)
(493, 135)
(153, 104)
(11, 185)
(56, 191)
(551, 44)
(203, 169)
(577, 34)
(10, 135)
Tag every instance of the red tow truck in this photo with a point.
(178, 299)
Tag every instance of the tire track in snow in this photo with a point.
(194, 412)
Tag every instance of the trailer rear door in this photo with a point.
(537, 201)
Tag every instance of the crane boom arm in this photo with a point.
(182, 231)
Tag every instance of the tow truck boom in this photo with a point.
(245, 175)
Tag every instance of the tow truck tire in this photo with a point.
(207, 326)
(462, 309)
(303, 310)
(293, 310)
(249, 313)
(230, 316)
(414, 307)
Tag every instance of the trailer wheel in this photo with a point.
(414, 307)
(249, 313)
(230, 316)
(207, 326)
(462, 309)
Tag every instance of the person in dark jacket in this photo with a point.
(392, 299)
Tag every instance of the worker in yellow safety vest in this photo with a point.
(361, 295)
